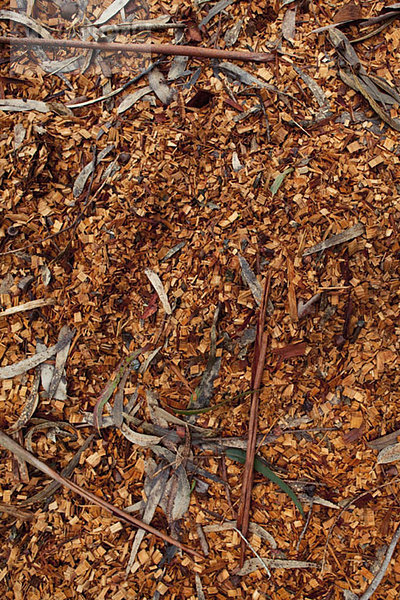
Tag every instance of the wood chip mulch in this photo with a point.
(187, 194)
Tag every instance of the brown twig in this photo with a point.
(164, 49)
(16, 449)
(260, 351)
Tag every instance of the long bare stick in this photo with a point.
(260, 351)
(165, 49)
(16, 449)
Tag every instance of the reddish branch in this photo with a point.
(165, 49)
(19, 451)
(260, 351)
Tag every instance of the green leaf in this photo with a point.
(279, 179)
(261, 467)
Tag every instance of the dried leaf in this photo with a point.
(61, 359)
(158, 286)
(385, 440)
(131, 99)
(253, 528)
(16, 105)
(176, 495)
(289, 24)
(33, 361)
(244, 77)
(348, 12)
(315, 89)
(16, 17)
(111, 11)
(30, 405)
(205, 390)
(236, 164)
(87, 170)
(158, 84)
(338, 238)
(140, 439)
(250, 279)
(220, 6)
(389, 454)
(253, 564)
(155, 488)
(231, 36)
(32, 305)
(199, 587)
(279, 179)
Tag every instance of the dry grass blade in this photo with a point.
(257, 371)
(16, 449)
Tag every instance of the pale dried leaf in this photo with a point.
(87, 170)
(155, 487)
(199, 587)
(16, 17)
(17, 105)
(131, 99)
(289, 24)
(159, 288)
(30, 405)
(61, 359)
(236, 164)
(253, 528)
(339, 238)
(389, 454)
(140, 439)
(231, 36)
(19, 135)
(27, 306)
(35, 360)
(243, 76)
(253, 564)
(111, 11)
(159, 86)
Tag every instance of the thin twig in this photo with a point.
(16, 449)
(164, 49)
(260, 351)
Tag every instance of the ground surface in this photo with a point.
(178, 181)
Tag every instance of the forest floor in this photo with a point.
(143, 228)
